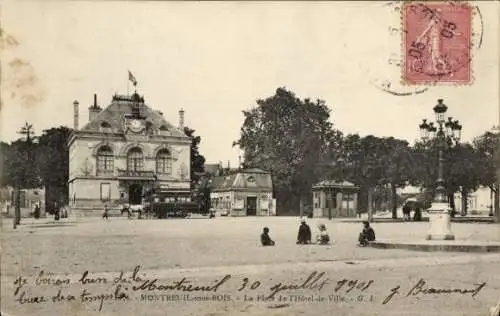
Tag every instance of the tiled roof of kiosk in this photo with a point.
(120, 106)
(244, 179)
(335, 184)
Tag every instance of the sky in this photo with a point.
(215, 59)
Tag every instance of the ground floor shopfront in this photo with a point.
(238, 203)
(94, 193)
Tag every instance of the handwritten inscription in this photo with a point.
(316, 287)
(421, 288)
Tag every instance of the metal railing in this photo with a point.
(136, 173)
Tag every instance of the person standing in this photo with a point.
(406, 212)
(105, 214)
(304, 235)
(56, 211)
(37, 210)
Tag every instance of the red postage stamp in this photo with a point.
(437, 43)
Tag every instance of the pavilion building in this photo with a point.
(335, 199)
(246, 192)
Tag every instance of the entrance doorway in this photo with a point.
(135, 194)
(251, 206)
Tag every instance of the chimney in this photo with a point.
(239, 162)
(181, 120)
(94, 109)
(75, 115)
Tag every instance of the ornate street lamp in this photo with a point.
(445, 133)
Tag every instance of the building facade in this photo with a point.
(27, 200)
(335, 199)
(480, 202)
(247, 192)
(125, 149)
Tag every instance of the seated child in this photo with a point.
(265, 239)
(366, 235)
(323, 238)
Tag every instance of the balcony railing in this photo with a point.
(136, 174)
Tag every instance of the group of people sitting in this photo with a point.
(305, 236)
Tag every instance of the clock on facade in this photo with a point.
(136, 126)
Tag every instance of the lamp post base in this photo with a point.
(439, 219)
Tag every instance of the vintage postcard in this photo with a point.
(250, 158)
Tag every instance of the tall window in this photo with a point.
(135, 159)
(105, 160)
(163, 162)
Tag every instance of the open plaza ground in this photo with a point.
(286, 279)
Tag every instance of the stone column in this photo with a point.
(339, 204)
(323, 198)
(355, 202)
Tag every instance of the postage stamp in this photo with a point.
(437, 43)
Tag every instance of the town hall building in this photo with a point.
(124, 150)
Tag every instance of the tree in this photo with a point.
(291, 138)
(463, 169)
(4, 151)
(398, 165)
(373, 163)
(486, 146)
(53, 163)
(200, 186)
(19, 167)
(463, 172)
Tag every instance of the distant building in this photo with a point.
(409, 191)
(124, 150)
(246, 192)
(335, 198)
(27, 200)
(479, 201)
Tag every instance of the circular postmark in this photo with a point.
(419, 56)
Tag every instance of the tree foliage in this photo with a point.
(198, 185)
(375, 163)
(197, 160)
(291, 138)
(53, 163)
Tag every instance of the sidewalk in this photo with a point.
(386, 217)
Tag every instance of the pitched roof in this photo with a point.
(120, 106)
(334, 184)
(244, 179)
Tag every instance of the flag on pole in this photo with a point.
(132, 78)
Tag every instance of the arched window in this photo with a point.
(163, 162)
(105, 160)
(163, 128)
(105, 124)
(135, 159)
